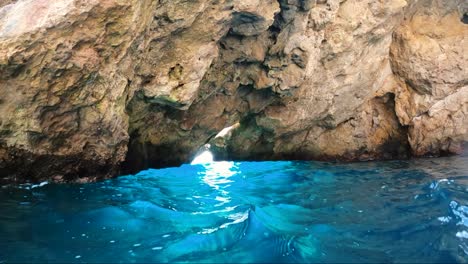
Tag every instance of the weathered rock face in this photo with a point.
(429, 58)
(64, 68)
(89, 85)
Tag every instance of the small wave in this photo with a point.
(237, 218)
(461, 212)
(246, 212)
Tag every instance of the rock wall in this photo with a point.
(88, 87)
(429, 57)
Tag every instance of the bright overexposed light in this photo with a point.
(217, 174)
(227, 131)
(204, 158)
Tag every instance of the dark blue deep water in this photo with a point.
(399, 211)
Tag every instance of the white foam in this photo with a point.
(444, 219)
(461, 211)
(39, 185)
(462, 234)
(435, 185)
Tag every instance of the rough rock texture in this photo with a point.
(88, 87)
(430, 58)
(64, 84)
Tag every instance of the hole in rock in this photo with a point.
(464, 18)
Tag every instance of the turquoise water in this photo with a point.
(400, 211)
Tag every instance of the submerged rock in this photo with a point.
(89, 86)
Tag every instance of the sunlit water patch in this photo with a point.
(401, 211)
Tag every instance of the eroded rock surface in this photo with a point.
(88, 86)
(430, 59)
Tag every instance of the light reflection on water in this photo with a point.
(401, 211)
(216, 175)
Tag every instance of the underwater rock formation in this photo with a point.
(88, 87)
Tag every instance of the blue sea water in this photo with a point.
(283, 212)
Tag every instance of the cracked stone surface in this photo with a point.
(93, 88)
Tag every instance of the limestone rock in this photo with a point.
(63, 86)
(429, 57)
(88, 87)
(253, 17)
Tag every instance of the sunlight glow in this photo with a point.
(204, 158)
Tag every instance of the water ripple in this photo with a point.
(270, 212)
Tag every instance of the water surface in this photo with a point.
(399, 211)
